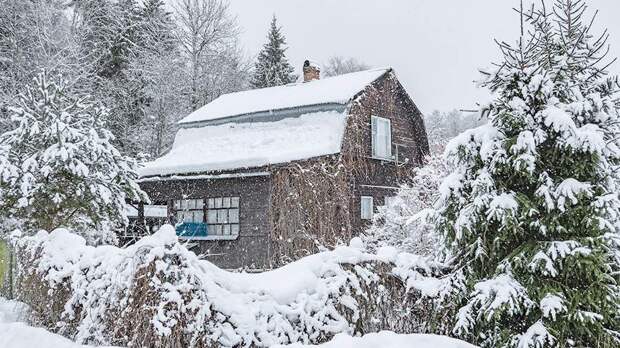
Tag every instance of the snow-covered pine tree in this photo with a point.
(272, 67)
(531, 215)
(58, 166)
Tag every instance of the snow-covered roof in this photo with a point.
(331, 90)
(248, 145)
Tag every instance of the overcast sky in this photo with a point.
(435, 46)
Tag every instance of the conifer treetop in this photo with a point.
(272, 67)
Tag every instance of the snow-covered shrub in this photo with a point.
(58, 166)
(532, 211)
(404, 222)
(156, 293)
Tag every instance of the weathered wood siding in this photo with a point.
(373, 177)
(251, 248)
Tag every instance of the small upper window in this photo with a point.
(366, 207)
(381, 138)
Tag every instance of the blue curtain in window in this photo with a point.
(192, 229)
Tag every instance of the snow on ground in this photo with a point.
(14, 333)
(332, 90)
(388, 339)
(247, 145)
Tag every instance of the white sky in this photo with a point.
(435, 46)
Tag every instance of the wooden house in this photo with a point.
(258, 178)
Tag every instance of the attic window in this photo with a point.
(381, 138)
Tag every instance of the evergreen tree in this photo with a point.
(58, 166)
(532, 214)
(156, 33)
(272, 67)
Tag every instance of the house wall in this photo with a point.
(252, 248)
(378, 178)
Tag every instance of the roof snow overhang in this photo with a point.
(269, 116)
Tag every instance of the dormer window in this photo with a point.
(381, 138)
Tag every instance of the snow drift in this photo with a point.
(156, 293)
(387, 339)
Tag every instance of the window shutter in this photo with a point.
(374, 139)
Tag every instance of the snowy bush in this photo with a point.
(58, 166)
(404, 222)
(158, 294)
(532, 212)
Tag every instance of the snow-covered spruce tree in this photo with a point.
(531, 215)
(58, 167)
(272, 67)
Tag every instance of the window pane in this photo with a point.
(177, 204)
(179, 217)
(211, 203)
(234, 202)
(199, 204)
(233, 215)
(212, 216)
(215, 229)
(382, 138)
(226, 202)
(381, 128)
(198, 216)
(222, 216)
(184, 204)
(218, 202)
(191, 204)
(188, 217)
(234, 229)
(226, 230)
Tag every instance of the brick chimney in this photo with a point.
(311, 71)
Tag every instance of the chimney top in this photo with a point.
(311, 71)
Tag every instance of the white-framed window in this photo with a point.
(381, 138)
(220, 214)
(367, 207)
(223, 216)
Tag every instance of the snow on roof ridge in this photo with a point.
(332, 90)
